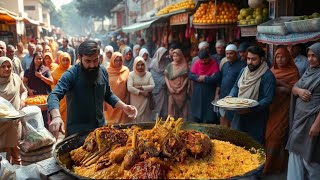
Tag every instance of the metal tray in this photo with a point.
(62, 149)
(12, 118)
(235, 108)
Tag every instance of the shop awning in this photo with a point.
(6, 16)
(138, 26)
(289, 39)
(30, 21)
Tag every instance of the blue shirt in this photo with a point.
(229, 74)
(84, 99)
(254, 123)
(26, 61)
(215, 56)
(302, 64)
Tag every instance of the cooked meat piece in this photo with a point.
(78, 155)
(108, 136)
(147, 149)
(117, 155)
(173, 147)
(148, 169)
(90, 142)
(197, 143)
(103, 162)
(130, 159)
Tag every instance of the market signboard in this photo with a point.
(179, 19)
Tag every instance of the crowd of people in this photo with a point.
(90, 86)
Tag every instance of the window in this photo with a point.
(29, 8)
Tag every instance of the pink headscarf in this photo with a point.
(205, 69)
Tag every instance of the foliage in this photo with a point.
(96, 8)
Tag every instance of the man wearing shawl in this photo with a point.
(64, 65)
(286, 74)
(159, 63)
(256, 82)
(205, 76)
(140, 84)
(128, 58)
(86, 87)
(176, 76)
(304, 125)
(118, 77)
(13, 90)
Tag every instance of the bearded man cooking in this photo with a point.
(256, 82)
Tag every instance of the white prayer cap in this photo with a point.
(203, 44)
(231, 47)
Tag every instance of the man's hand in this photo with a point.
(130, 110)
(56, 126)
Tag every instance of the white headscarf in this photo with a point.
(142, 52)
(106, 60)
(135, 47)
(136, 60)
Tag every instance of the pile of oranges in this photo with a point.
(36, 100)
(187, 4)
(221, 13)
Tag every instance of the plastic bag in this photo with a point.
(33, 139)
(34, 134)
(28, 172)
(15, 172)
(7, 170)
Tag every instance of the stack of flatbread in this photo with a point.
(235, 102)
(6, 111)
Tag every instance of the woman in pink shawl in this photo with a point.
(176, 76)
(205, 76)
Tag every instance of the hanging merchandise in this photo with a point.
(154, 34)
(187, 32)
(193, 38)
(255, 3)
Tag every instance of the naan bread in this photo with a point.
(232, 102)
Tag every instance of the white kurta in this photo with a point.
(139, 101)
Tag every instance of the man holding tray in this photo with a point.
(255, 82)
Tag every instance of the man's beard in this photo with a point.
(254, 67)
(90, 74)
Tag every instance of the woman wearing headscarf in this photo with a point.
(118, 77)
(176, 76)
(304, 124)
(13, 90)
(145, 54)
(140, 84)
(48, 61)
(286, 74)
(205, 76)
(136, 50)
(38, 80)
(128, 58)
(158, 65)
(108, 51)
(58, 56)
(64, 65)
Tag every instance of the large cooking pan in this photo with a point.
(62, 149)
